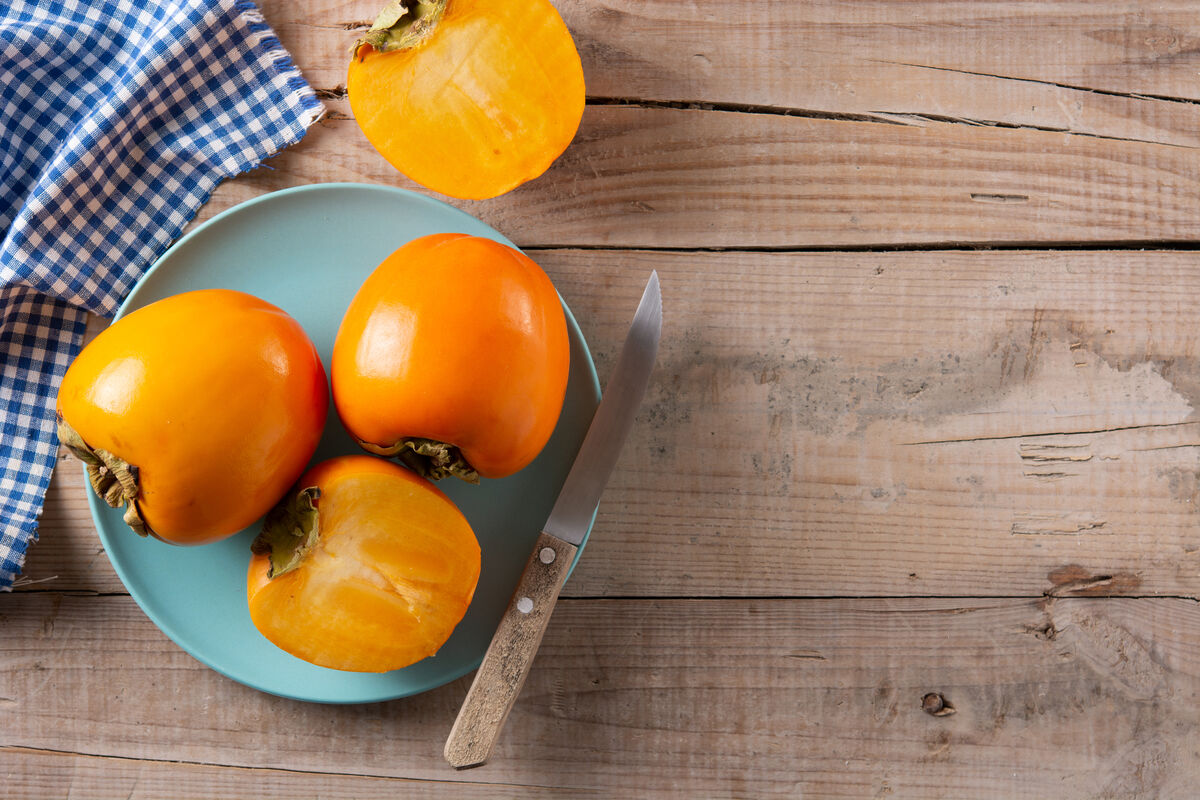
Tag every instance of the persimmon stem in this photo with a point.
(428, 458)
(114, 480)
(291, 529)
(403, 24)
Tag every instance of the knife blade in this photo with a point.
(510, 654)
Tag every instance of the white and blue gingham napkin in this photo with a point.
(118, 118)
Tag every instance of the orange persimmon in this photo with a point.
(453, 356)
(366, 567)
(470, 98)
(196, 412)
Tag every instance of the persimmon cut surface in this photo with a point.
(382, 584)
(453, 356)
(196, 412)
(470, 98)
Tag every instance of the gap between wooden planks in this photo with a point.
(874, 424)
(713, 698)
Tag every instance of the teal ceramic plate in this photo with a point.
(307, 250)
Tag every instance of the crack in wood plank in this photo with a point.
(334, 93)
(16, 748)
(747, 108)
(902, 118)
(884, 118)
(1164, 447)
(1055, 525)
(1074, 580)
(1057, 84)
(349, 25)
(1022, 126)
(956, 246)
(982, 197)
(1001, 437)
(1050, 476)
(1051, 452)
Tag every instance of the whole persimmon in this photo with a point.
(470, 98)
(453, 356)
(195, 412)
(366, 567)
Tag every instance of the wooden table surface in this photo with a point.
(922, 433)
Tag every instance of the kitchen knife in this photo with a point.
(506, 663)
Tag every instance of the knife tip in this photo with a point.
(652, 300)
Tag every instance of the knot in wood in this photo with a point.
(936, 705)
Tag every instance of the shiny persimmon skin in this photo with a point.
(458, 339)
(392, 574)
(486, 103)
(217, 397)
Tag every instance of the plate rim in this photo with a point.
(94, 504)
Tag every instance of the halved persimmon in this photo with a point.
(453, 356)
(470, 98)
(366, 567)
(196, 412)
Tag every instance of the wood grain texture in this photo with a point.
(1066, 698)
(869, 126)
(958, 423)
(31, 774)
(913, 122)
(1118, 69)
(498, 681)
(1019, 425)
(664, 177)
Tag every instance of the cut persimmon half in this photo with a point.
(365, 567)
(470, 98)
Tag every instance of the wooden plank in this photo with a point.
(31, 774)
(944, 74)
(952, 423)
(1115, 68)
(653, 177)
(824, 424)
(1066, 698)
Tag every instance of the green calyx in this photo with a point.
(290, 530)
(114, 480)
(428, 458)
(403, 24)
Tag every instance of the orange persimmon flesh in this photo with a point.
(484, 102)
(459, 340)
(392, 571)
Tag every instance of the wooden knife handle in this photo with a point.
(506, 663)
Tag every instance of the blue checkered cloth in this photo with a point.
(118, 118)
